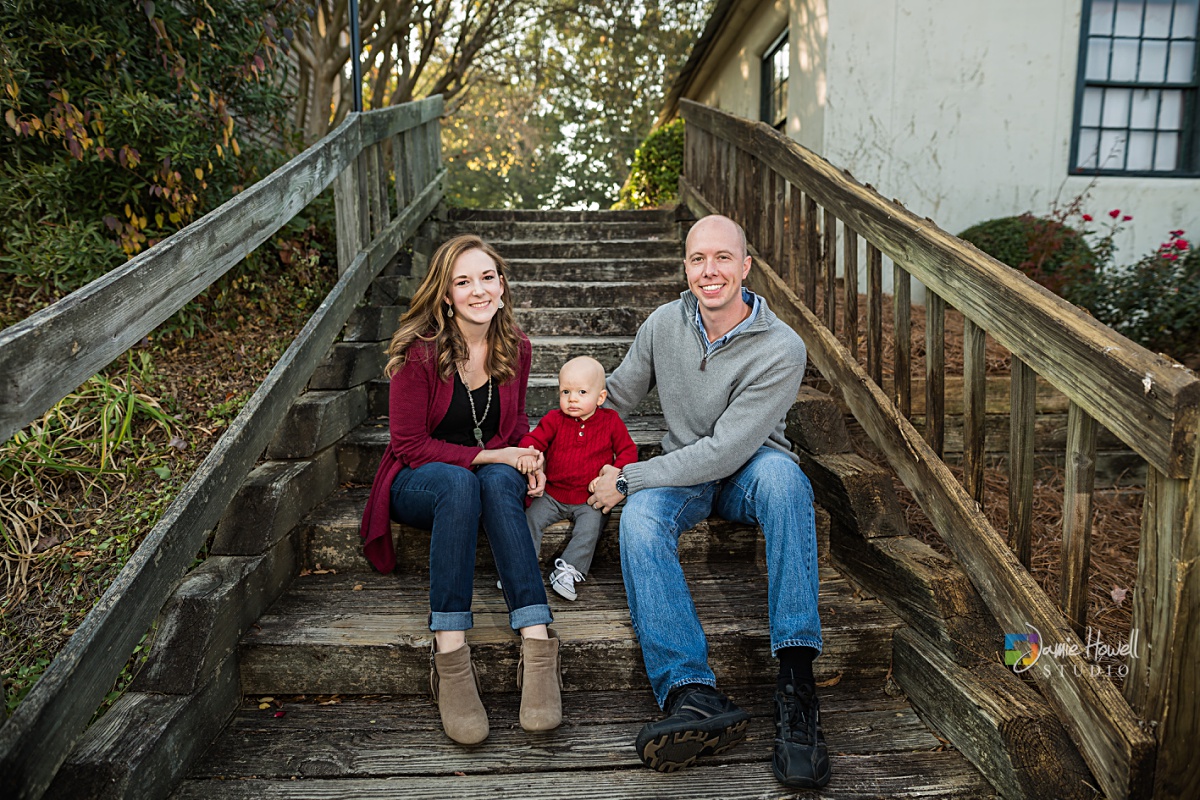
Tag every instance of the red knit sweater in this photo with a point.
(575, 451)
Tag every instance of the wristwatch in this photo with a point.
(622, 484)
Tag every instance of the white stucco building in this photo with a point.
(966, 110)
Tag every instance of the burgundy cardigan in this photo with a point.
(418, 400)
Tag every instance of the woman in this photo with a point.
(459, 367)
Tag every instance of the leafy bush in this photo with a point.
(654, 177)
(123, 123)
(1046, 250)
(1155, 302)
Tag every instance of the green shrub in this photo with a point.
(1046, 250)
(657, 163)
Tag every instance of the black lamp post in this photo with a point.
(356, 49)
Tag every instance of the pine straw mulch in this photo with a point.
(1117, 511)
(76, 541)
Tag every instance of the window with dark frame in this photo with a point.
(775, 81)
(1136, 111)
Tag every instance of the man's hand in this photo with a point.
(604, 489)
(537, 483)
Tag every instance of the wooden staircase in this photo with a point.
(344, 652)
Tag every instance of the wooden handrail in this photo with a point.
(40, 734)
(1147, 401)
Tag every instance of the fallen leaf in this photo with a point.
(358, 587)
(834, 681)
(263, 706)
(460, 774)
(266, 699)
(178, 444)
(279, 714)
(1118, 594)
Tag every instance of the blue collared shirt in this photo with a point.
(750, 299)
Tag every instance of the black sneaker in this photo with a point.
(801, 758)
(701, 722)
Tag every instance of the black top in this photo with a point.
(456, 426)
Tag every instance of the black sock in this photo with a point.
(795, 666)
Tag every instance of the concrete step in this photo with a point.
(395, 748)
(593, 294)
(500, 231)
(330, 539)
(544, 268)
(368, 634)
(601, 250)
(613, 321)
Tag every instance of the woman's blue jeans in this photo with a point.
(770, 491)
(450, 501)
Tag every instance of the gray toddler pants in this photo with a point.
(589, 523)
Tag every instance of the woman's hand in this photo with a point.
(537, 483)
(508, 455)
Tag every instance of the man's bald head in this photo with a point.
(716, 223)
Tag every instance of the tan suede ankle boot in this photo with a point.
(455, 688)
(539, 677)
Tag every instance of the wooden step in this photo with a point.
(330, 539)
(662, 217)
(600, 250)
(612, 321)
(551, 352)
(499, 232)
(542, 395)
(593, 294)
(395, 748)
(545, 268)
(360, 451)
(326, 637)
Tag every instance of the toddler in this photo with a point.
(577, 440)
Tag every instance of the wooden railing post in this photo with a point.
(348, 192)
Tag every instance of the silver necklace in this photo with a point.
(477, 431)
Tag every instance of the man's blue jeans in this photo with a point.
(450, 501)
(770, 491)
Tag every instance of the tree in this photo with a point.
(411, 48)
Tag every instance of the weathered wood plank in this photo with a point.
(400, 159)
(1115, 748)
(316, 420)
(349, 212)
(908, 775)
(1020, 463)
(778, 229)
(874, 313)
(858, 494)
(829, 255)
(902, 332)
(812, 260)
(213, 606)
(974, 408)
(41, 732)
(935, 372)
(815, 423)
(998, 723)
(349, 364)
(850, 287)
(1146, 400)
(53, 351)
(382, 123)
(146, 743)
(1077, 516)
(797, 241)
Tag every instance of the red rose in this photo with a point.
(1088, 218)
(1116, 212)
(1171, 256)
(1181, 244)
(1126, 218)
(1177, 233)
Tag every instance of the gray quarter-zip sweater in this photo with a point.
(717, 415)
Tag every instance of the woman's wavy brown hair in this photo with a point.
(426, 319)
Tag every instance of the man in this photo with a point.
(727, 370)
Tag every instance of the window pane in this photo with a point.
(1145, 108)
(1180, 68)
(1153, 68)
(1125, 59)
(1102, 12)
(1089, 140)
(1116, 107)
(1185, 18)
(1112, 150)
(1129, 18)
(1170, 116)
(1097, 61)
(1158, 18)
(1141, 150)
(1089, 115)
(1166, 158)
